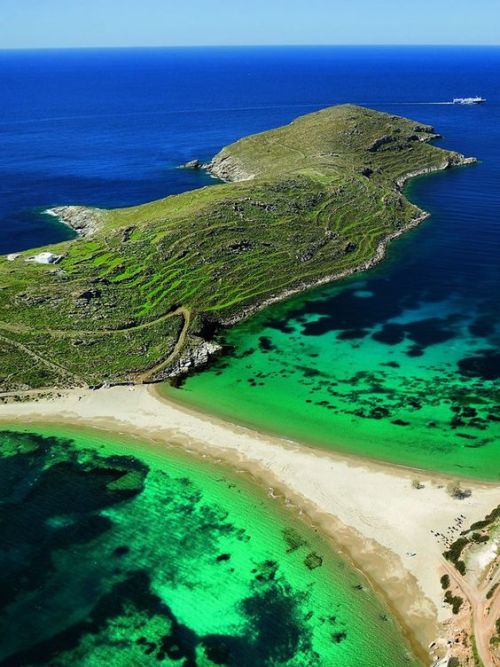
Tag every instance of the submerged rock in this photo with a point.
(312, 561)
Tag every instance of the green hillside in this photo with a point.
(134, 298)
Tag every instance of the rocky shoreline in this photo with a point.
(458, 160)
(194, 356)
(84, 221)
(222, 168)
(228, 169)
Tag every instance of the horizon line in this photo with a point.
(246, 46)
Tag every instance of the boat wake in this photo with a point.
(413, 104)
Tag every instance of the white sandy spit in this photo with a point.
(369, 509)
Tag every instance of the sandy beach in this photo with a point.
(371, 510)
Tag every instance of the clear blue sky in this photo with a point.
(77, 23)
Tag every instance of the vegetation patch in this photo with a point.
(493, 516)
(478, 533)
(454, 552)
(454, 600)
(475, 653)
(491, 592)
(495, 640)
(455, 490)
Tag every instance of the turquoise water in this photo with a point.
(399, 363)
(114, 552)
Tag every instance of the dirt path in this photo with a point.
(142, 377)
(487, 614)
(63, 333)
(484, 614)
(151, 372)
(50, 364)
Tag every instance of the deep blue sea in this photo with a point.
(109, 127)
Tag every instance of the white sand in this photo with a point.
(370, 509)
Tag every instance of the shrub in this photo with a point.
(491, 592)
(492, 516)
(478, 538)
(456, 549)
(454, 600)
(455, 490)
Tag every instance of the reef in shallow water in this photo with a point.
(350, 365)
(111, 558)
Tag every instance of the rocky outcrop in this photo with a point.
(85, 221)
(195, 355)
(381, 141)
(456, 160)
(398, 140)
(228, 168)
(192, 164)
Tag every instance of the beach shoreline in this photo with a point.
(166, 391)
(369, 510)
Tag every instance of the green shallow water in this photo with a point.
(399, 363)
(357, 396)
(114, 553)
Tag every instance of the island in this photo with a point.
(139, 295)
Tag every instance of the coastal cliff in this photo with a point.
(85, 221)
(228, 168)
(140, 294)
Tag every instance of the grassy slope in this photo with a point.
(322, 197)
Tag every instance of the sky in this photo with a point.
(111, 23)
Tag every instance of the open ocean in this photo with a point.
(399, 364)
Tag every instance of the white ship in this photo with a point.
(469, 100)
